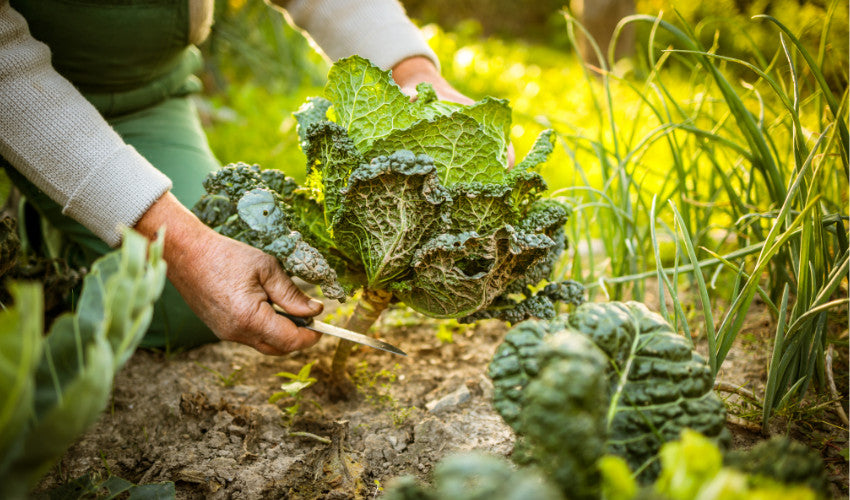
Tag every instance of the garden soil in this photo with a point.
(203, 420)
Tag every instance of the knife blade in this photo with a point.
(322, 327)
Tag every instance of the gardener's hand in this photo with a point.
(229, 284)
(414, 70)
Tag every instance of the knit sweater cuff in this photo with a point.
(377, 30)
(104, 207)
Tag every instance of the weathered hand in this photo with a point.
(229, 284)
(414, 70)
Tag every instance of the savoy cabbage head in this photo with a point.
(612, 377)
(415, 198)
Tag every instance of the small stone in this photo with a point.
(459, 396)
(486, 386)
(236, 429)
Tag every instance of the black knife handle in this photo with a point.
(299, 321)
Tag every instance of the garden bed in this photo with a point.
(172, 418)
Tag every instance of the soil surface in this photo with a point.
(202, 418)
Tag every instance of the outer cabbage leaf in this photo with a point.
(263, 220)
(331, 157)
(315, 110)
(539, 152)
(548, 217)
(366, 102)
(458, 274)
(494, 115)
(540, 304)
(461, 148)
(482, 208)
(390, 207)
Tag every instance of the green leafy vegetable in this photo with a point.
(653, 385)
(54, 387)
(415, 198)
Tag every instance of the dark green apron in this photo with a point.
(132, 60)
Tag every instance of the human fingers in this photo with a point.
(276, 335)
(283, 292)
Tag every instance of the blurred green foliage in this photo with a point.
(822, 26)
(252, 43)
(539, 22)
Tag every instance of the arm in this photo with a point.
(53, 136)
(377, 30)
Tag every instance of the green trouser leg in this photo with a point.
(170, 136)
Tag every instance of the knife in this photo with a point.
(322, 327)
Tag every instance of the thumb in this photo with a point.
(283, 292)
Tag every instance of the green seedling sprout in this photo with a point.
(293, 390)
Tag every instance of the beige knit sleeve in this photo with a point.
(57, 140)
(378, 30)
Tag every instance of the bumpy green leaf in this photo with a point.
(656, 384)
(331, 158)
(233, 181)
(390, 206)
(547, 217)
(213, 209)
(367, 103)
(571, 385)
(263, 219)
(785, 461)
(462, 150)
(516, 362)
(475, 476)
(315, 110)
(458, 274)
